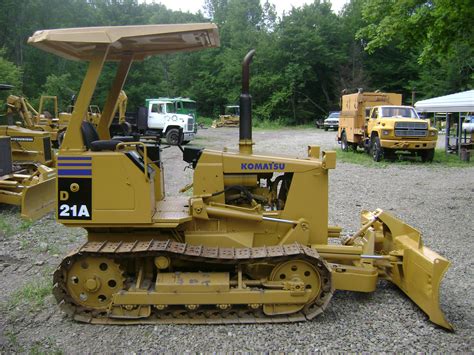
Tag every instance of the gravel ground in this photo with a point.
(436, 200)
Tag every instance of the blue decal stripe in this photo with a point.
(74, 164)
(74, 158)
(64, 172)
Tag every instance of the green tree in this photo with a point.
(61, 86)
(9, 72)
(438, 33)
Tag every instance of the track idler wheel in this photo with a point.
(91, 282)
(302, 275)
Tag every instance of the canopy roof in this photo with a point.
(143, 41)
(460, 102)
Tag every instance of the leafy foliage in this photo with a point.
(304, 58)
(438, 34)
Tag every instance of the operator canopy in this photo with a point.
(142, 41)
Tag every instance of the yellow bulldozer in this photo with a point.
(251, 243)
(27, 174)
(230, 118)
(32, 186)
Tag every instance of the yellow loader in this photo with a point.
(251, 243)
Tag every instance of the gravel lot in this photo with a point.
(436, 200)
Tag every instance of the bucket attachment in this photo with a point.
(415, 269)
(39, 199)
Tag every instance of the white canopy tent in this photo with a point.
(459, 102)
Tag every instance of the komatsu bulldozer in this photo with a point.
(250, 245)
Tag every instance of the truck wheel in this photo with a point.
(353, 147)
(389, 154)
(376, 149)
(344, 145)
(172, 136)
(427, 155)
(326, 129)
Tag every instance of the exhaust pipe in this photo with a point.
(245, 127)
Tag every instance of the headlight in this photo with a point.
(432, 133)
(385, 132)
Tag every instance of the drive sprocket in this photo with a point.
(91, 281)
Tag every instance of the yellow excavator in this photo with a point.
(251, 244)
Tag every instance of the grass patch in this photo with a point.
(441, 159)
(12, 227)
(13, 340)
(32, 294)
(6, 227)
(47, 346)
(260, 124)
(278, 124)
(206, 121)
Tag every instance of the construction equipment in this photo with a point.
(32, 186)
(230, 118)
(36, 120)
(251, 242)
(121, 107)
(27, 178)
(377, 122)
(29, 146)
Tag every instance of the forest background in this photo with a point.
(304, 59)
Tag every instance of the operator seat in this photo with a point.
(93, 142)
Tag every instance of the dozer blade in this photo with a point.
(39, 199)
(419, 270)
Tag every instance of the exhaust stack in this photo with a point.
(245, 129)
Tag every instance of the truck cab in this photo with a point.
(164, 119)
(185, 105)
(391, 128)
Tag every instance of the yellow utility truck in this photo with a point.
(378, 123)
(248, 245)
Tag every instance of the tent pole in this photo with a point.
(446, 138)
